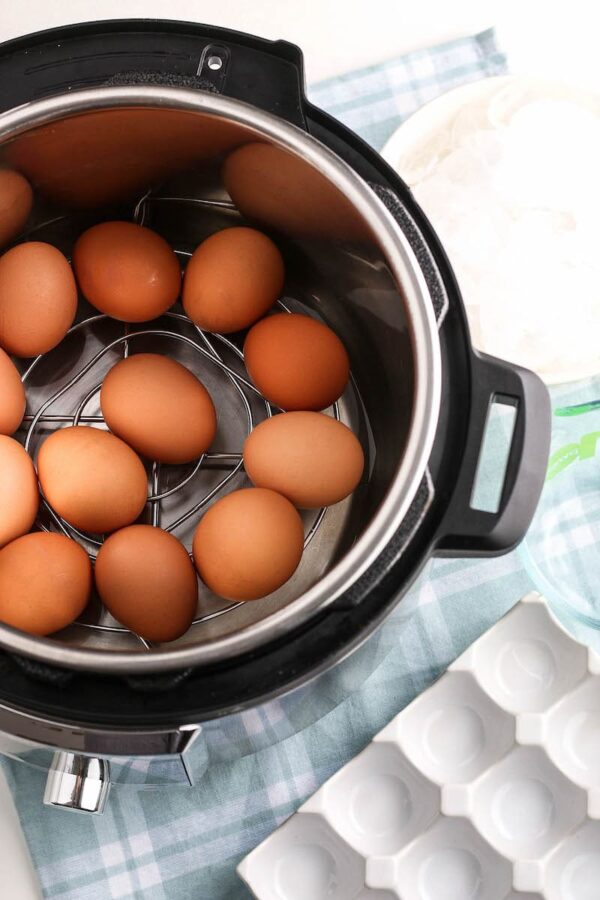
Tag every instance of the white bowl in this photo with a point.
(411, 139)
(551, 340)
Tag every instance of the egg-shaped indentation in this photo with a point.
(248, 544)
(296, 362)
(310, 458)
(146, 580)
(38, 298)
(232, 279)
(127, 271)
(450, 874)
(306, 871)
(582, 740)
(523, 809)
(524, 806)
(12, 396)
(454, 731)
(45, 582)
(452, 862)
(581, 877)
(528, 665)
(304, 859)
(527, 662)
(467, 736)
(573, 870)
(16, 200)
(18, 489)
(379, 801)
(519, 895)
(381, 805)
(159, 408)
(369, 894)
(92, 478)
(573, 734)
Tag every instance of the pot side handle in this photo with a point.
(269, 75)
(465, 530)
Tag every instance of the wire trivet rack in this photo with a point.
(173, 333)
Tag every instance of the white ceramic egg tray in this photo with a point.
(487, 787)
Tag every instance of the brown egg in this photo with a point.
(146, 580)
(18, 490)
(38, 298)
(45, 582)
(296, 362)
(310, 458)
(12, 396)
(127, 271)
(104, 157)
(92, 478)
(16, 200)
(159, 407)
(248, 544)
(276, 188)
(232, 279)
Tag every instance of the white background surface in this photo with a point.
(337, 35)
(552, 38)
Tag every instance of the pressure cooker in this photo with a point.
(132, 120)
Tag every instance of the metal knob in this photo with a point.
(80, 783)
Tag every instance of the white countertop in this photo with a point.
(335, 36)
(339, 35)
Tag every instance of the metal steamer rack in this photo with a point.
(187, 492)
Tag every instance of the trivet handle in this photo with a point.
(467, 531)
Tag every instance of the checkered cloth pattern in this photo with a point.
(184, 843)
(375, 100)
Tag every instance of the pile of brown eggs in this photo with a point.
(250, 541)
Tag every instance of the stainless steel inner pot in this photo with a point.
(155, 155)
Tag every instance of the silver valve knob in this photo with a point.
(79, 783)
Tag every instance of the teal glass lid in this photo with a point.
(562, 549)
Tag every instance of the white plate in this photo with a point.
(487, 787)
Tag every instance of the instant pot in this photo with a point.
(139, 120)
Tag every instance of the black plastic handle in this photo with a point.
(466, 531)
(270, 76)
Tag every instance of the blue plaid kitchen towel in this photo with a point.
(184, 844)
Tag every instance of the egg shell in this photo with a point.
(127, 271)
(310, 458)
(12, 396)
(146, 580)
(19, 496)
(45, 582)
(113, 156)
(248, 544)
(277, 188)
(92, 478)
(232, 279)
(38, 298)
(296, 362)
(16, 200)
(158, 407)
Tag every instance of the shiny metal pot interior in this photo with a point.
(154, 154)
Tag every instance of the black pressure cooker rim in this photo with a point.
(410, 465)
(469, 383)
